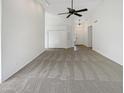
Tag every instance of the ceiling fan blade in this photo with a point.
(68, 15)
(82, 10)
(77, 14)
(63, 13)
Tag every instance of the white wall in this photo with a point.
(0, 37)
(22, 34)
(58, 25)
(107, 32)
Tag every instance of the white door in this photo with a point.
(57, 39)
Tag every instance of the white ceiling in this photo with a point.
(57, 6)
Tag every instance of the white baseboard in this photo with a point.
(26, 63)
(99, 52)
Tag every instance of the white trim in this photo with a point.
(0, 40)
(99, 52)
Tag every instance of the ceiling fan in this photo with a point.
(73, 11)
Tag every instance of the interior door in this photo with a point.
(57, 39)
(90, 36)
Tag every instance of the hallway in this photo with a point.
(66, 71)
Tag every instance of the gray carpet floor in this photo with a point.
(66, 71)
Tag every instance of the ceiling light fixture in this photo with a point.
(79, 22)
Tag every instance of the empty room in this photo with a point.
(61, 46)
